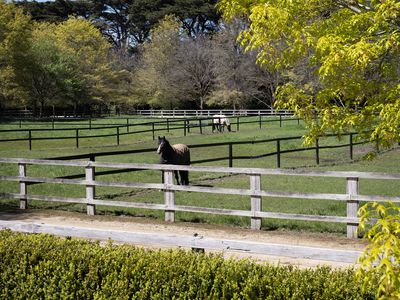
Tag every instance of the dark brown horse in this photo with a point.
(177, 154)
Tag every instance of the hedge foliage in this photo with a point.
(46, 267)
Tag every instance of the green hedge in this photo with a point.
(46, 267)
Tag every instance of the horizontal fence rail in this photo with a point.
(255, 192)
(230, 147)
(65, 114)
(209, 112)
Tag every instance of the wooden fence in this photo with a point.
(186, 125)
(230, 151)
(210, 112)
(70, 114)
(255, 192)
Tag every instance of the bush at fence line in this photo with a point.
(42, 266)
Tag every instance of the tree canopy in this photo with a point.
(351, 49)
(127, 23)
(74, 54)
(15, 32)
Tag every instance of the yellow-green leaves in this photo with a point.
(381, 258)
(347, 51)
(153, 85)
(15, 33)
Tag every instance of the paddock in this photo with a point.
(275, 145)
(254, 192)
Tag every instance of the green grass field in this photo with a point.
(330, 159)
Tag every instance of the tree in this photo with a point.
(55, 11)
(153, 80)
(15, 32)
(197, 17)
(80, 40)
(127, 23)
(54, 74)
(351, 46)
(240, 82)
(192, 71)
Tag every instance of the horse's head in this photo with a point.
(162, 143)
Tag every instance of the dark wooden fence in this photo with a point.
(186, 125)
(230, 147)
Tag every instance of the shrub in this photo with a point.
(45, 267)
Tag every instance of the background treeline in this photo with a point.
(83, 55)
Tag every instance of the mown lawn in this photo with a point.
(330, 159)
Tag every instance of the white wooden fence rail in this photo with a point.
(255, 191)
(210, 112)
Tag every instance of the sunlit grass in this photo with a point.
(330, 159)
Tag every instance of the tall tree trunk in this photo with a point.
(41, 108)
(34, 108)
(75, 107)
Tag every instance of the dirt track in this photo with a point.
(189, 229)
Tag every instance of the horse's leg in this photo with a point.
(177, 177)
(184, 177)
(187, 177)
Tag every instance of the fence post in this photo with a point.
(352, 205)
(317, 151)
(20, 123)
(200, 127)
(184, 127)
(127, 124)
(90, 191)
(117, 135)
(152, 130)
(259, 121)
(278, 153)
(230, 155)
(351, 146)
(188, 125)
(237, 123)
(23, 188)
(90, 123)
(77, 137)
(255, 185)
(280, 120)
(169, 197)
(30, 139)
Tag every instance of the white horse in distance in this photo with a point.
(219, 122)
